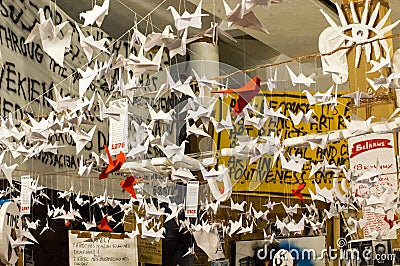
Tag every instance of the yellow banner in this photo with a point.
(261, 177)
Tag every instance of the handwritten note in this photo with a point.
(192, 198)
(119, 128)
(25, 194)
(92, 250)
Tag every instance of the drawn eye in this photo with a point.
(363, 30)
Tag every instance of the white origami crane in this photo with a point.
(260, 214)
(301, 78)
(182, 174)
(173, 150)
(180, 88)
(96, 15)
(214, 31)
(295, 163)
(89, 45)
(238, 17)
(225, 124)
(302, 117)
(161, 115)
(272, 82)
(205, 84)
(357, 96)
(296, 228)
(215, 174)
(197, 131)
(379, 82)
(61, 103)
(270, 205)
(79, 200)
(140, 64)
(46, 228)
(152, 235)
(83, 169)
(202, 113)
(47, 33)
(235, 226)
(274, 114)
(90, 224)
(319, 97)
(178, 46)
(291, 209)
(238, 206)
(82, 138)
(158, 39)
(356, 124)
(325, 166)
(87, 77)
(32, 225)
(384, 62)
(186, 19)
(257, 122)
(246, 230)
(112, 111)
(18, 242)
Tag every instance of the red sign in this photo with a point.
(367, 145)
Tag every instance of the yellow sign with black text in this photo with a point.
(262, 177)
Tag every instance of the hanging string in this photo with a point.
(305, 57)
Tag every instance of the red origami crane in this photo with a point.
(113, 165)
(390, 222)
(246, 94)
(297, 192)
(128, 184)
(104, 225)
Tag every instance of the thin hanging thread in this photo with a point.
(305, 57)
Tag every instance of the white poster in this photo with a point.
(91, 249)
(118, 139)
(367, 153)
(25, 194)
(192, 198)
(376, 222)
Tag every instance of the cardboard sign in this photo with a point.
(150, 252)
(94, 248)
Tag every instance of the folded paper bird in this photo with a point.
(391, 222)
(246, 94)
(113, 165)
(128, 184)
(297, 192)
(104, 224)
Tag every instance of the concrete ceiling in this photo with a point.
(294, 26)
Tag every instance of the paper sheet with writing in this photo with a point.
(119, 128)
(376, 222)
(364, 153)
(84, 251)
(192, 198)
(25, 194)
(368, 153)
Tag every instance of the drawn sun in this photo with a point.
(367, 29)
